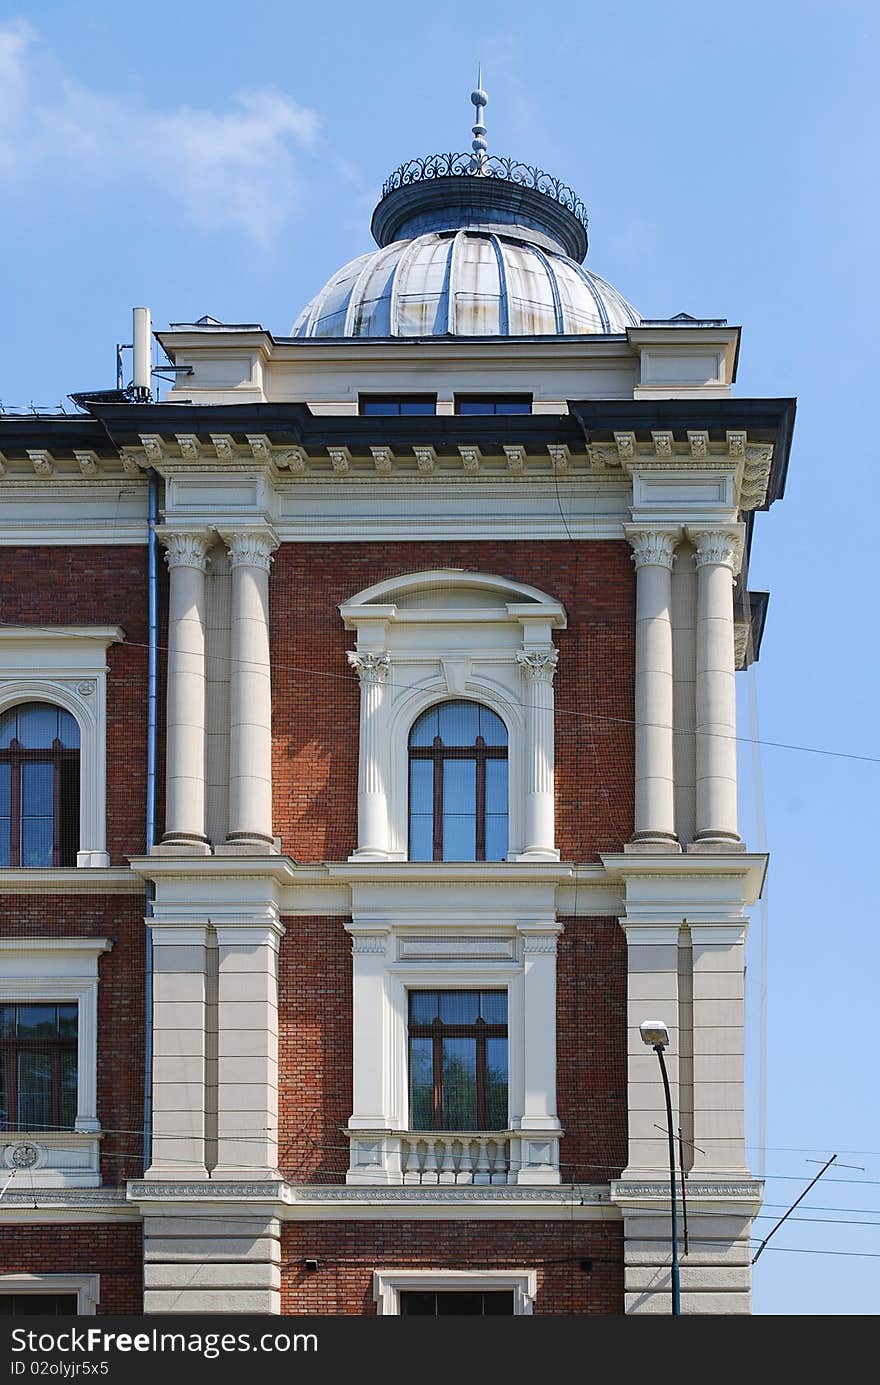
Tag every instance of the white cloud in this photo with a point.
(235, 168)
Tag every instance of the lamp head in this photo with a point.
(654, 1032)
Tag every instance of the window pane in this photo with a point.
(38, 1305)
(37, 789)
(423, 1006)
(492, 728)
(69, 810)
(5, 840)
(459, 837)
(513, 406)
(460, 786)
(421, 838)
(419, 1303)
(496, 786)
(497, 1305)
(67, 1018)
(67, 1103)
(459, 1007)
(496, 1084)
(5, 790)
(459, 1084)
(37, 836)
(8, 723)
(421, 787)
(7, 1117)
(418, 406)
(37, 725)
(68, 730)
(421, 1084)
(496, 836)
(493, 1006)
(425, 728)
(37, 1022)
(459, 722)
(34, 1089)
(474, 406)
(7, 1021)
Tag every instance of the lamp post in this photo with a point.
(656, 1035)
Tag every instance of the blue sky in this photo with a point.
(225, 159)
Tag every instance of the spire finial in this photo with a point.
(479, 99)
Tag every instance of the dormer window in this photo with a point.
(493, 404)
(396, 405)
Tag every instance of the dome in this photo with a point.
(470, 245)
(465, 282)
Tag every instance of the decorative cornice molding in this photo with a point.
(560, 455)
(652, 547)
(372, 943)
(746, 1189)
(185, 548)
(341, 459)
(370, 667)
(87, 461)
(698, 441)
(662, 440)
(190, 447)
(626, 446)
(384, 459)
(425, 457)
(261, 447)
(756, 475)
(42, 460)
(538, 665)
(539, 942)
(224, 446)
(470, 457)
(516, 457)
(271, 1190)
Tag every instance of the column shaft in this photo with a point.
(250, 694)
(372, 670)
(716, 558)
(186, 555)
(539, 829)
(654, 823)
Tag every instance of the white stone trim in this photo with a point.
(387, 1286)
(67, 666)
(87, 1288)
(57, 970)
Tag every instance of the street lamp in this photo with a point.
(656, 1035)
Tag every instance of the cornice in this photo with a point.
(87, 880)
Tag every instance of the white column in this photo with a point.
(372, 670)
(652, 994)
(719, 1048)
(180, 1088)
(539, 1144)
(653, 554)
(186, 555)
(374, 1155)
(250, 693)
(538, 667)
(247, 1049)
(717, 558)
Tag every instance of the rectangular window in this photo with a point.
(38, 1066)
(458, 1060)
(42, 1305)
(429, 1303)
(396, 405)
(493, 404)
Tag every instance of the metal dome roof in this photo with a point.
(470, 245)
(466, 282)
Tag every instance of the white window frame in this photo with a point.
(388, 1285)
(470, 643)
(55, 971)
(67, 667)
(87, 1288)
(479, 955)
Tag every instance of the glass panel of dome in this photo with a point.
(372, 298)
(578, 307)
(532, 310)
(477, 290)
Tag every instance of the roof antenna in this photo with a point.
(479, 99)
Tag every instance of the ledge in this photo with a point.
(84, 880)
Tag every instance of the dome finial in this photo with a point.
(479, 99)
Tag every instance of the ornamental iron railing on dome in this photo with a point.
(487, 166)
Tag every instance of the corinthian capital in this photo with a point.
(369, 667)
(251, 548)
(184, 549)
(537, 665)
(718, 547)
(652, 547)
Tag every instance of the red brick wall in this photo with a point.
(316, 696)
(103, 585)
(112, 1250)
(348, 1252)
(591, 1049)
(120, 1006)
(315, 1050)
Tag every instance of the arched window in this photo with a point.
(458, 784)
(39, 786)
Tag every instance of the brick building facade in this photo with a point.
(403, 791)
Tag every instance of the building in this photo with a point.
(417, 755)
